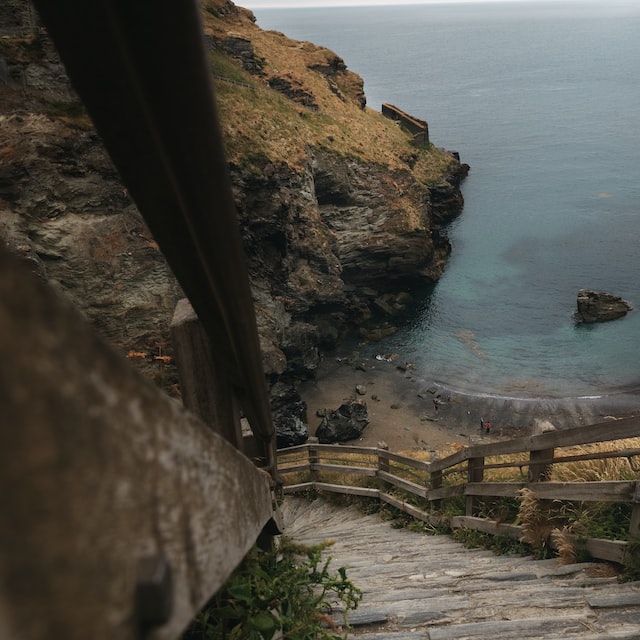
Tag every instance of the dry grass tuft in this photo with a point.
(563, 540)
(602, 469)
(536, 522)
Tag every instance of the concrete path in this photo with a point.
(430, 587)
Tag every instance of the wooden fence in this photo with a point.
(421, 489)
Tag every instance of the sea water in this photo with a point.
(542, 99)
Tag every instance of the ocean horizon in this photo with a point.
(541, 100)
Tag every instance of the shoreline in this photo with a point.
(403, 414)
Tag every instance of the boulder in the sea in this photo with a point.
(345, 423)
(600, 306)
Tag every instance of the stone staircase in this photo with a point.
(431, 587)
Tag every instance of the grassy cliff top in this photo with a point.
(319, 102)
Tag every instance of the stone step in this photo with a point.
(419, 586)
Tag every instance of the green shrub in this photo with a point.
(289, 590)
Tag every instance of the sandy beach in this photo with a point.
(403, 414)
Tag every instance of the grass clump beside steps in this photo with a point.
(288, 592)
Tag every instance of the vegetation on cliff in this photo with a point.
(317, 102)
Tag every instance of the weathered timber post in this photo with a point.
(634, 526)
(383, 462)
(204, 387)
(435, 482)
(314, 459)
(540, 465)
(475, 473)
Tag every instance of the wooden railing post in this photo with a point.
(383, 465)
(314, 459)
(383, 461)
(205, 389)
(540, 471)
(435, 482)
(475, 473)
(634, 526)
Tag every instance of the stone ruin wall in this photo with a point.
(419, 128)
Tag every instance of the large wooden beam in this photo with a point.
(104, 480)
(154, 108)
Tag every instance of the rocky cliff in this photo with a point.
(339, 212)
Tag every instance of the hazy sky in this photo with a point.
(269, 4)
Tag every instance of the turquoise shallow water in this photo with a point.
(543, 101)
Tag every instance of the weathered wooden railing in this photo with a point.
(122, 513)
(424, 486)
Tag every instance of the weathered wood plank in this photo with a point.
(487, 526)
(348, 469)
(539, 467)
(294, 468)
(601, 432)
(296, 488)
(353, 491)
(615, 491)
(446, 492)
(407, 485)
(204, 389)
(611, 550)
(405, 507)
(475, 473)
(98, 471)
(420, 465)
(342, 449)
(494, 489)
(298, 449)
(634, 525)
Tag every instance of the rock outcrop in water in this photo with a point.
(336, 205)
(600, 306)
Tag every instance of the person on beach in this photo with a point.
(488, 426)
(481, 425)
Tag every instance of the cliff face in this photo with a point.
(335, 205)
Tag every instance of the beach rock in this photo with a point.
(289, 413)
(540, 426)
(600, 306)
(346, 423)
(361, 390)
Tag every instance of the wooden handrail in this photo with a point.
(601, 432)
(101, 476)
(475, 486)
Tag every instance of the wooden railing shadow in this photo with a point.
(123, 513)
(421, 489)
